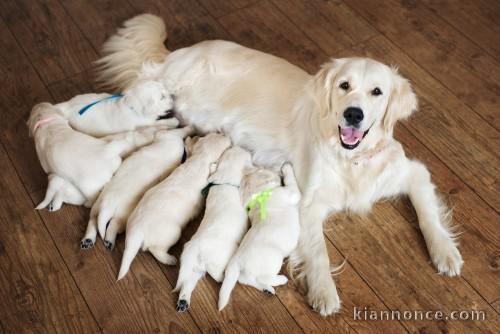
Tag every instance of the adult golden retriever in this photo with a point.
(335, 127)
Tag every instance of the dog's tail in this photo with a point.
(230, 278)
(139, 41)
(133, 243)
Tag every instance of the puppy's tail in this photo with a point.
(140, 40)
(133, 243)
(230, 278)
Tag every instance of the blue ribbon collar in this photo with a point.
(88, 106)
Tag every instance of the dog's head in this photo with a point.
(150, 99)
(356, 96)
(258, 179)
(232, 165)
(212, 145)
(40, 114)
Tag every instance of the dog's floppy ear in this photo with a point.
(402, 102)
(322, 86)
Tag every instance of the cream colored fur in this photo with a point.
(280, 112)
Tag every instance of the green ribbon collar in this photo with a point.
(260, 199)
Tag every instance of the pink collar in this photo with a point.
(370, 156)
(42, 122)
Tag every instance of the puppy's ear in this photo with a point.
(131, 101)
(322, 86)
(402, 102)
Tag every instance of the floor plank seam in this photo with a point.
(43, 222)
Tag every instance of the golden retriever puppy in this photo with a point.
(144, 104)
(84, 162)
(157, 222)
(138, 173)
(273, 236)
(223, 225)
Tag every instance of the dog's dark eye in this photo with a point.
(344, 85)
(376, 92)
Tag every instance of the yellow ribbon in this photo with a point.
(260, 199)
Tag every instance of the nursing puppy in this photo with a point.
(157, 221)
(273, 236)
(139, 172)
(144, 104)
(77, 159)
(223, 225)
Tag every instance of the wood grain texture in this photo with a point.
(55, 47)
(37, 292)
(220, 8)
(464, 68)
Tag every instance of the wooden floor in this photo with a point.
(449, 49)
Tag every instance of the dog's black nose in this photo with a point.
(353, 115)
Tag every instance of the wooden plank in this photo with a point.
(100, 19)
(496, 306)
(477, 223)
(353, 291)
(460, 138)
(390, 254)
(332, 25)
(263, 27)
(187, 22)
(54, 45)
(478, 20)
(463, 67)
(20, 89)
(241, 314)
(219, 8)
(37, 292)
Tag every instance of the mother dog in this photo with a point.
(336, 128)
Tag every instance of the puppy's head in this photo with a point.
(356, 96)
(212, 145)
(150, 99)
(257, 179)
(232, 165)
(40, 114)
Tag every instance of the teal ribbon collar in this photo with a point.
(205, 190)
(88, 106)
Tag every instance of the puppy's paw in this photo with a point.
(86, 244)
(324, 299)
(286, 167)
(182, 305)
(50, 207)
(109, 245)
(447, 258)
(269, 291)
(170, 260)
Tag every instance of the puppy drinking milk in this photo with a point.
(223, 225)
(78, 160)
(274, 234)
(144, 104)
(139, 172)
(157, 221)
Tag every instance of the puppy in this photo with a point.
(144, 104)
(139, 172)
(221, 229)
(273, 236)
(157, 221)
(78, 160)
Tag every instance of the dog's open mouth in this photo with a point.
(167, 114)
(351, 137)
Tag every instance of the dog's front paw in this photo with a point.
(447, 258)
(182, 305)
(86, 243)
(324, 299)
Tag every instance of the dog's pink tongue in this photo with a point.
(350, 135)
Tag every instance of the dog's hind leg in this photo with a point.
(161, 255)
(49, 194)
(116, 226)
(187, 288)
(90, 235)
